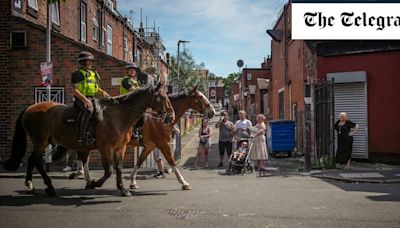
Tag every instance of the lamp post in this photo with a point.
(177, 63)
(178, 142)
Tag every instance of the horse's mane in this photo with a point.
(178, 95)
(121, 98)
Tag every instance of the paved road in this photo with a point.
(284, 199)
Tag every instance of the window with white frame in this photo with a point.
(95, 29)
(212, 84)
(125, 47)
(83, 21)
(33, 4)
(109, 40)
(55, 13)
(249, 76)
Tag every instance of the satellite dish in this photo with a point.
(240, 63)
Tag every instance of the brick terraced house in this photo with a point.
(78, 25)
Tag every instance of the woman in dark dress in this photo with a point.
(345, 129)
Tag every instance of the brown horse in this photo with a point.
(158, 135)
(45, 123)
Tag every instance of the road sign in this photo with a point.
(46, 72)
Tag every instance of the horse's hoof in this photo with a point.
(31, 191)
(133, 186)
(90, 185)
(73, 176)
(50, 191)
(186, 187)
(126, 193)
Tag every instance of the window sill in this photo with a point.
(56, 27)
(32, 12)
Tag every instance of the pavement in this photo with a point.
(360, 172)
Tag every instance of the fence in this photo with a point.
(324, 155)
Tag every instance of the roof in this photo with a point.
(252, 89)
(262, 83)
(220, 83)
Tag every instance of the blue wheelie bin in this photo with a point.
(281, 136)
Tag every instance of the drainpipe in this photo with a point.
(287, 81)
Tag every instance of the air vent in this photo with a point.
(18, 39)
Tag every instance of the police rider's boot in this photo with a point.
(81, 130)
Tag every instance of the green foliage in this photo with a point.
(189, 75)
(228, 81)
(324, 162)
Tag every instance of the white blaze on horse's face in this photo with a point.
(210, 111)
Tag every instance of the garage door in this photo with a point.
(350, 96)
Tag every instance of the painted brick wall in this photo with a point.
(383, 96)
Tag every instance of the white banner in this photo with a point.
(346, 21)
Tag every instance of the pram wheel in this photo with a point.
(251, 168)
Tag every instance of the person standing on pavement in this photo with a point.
(205, 133)
(242, 127)
(226, 131)
(259, 152)
(345, 130)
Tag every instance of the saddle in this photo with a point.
(72, 117)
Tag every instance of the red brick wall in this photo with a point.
(256, 73)
(24, 74)
(5, 121)
(383, 95)
(70, 24)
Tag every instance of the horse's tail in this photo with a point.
(59, 153)
(18, 146)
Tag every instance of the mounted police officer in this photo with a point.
(129, 82)
(86, 89)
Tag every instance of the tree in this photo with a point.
(228, 81)
(189, 71)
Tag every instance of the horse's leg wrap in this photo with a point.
(133, 184)
(185, 185)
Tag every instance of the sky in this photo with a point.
(220, 31)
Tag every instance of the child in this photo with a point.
(238, 155)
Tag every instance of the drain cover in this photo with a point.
(185, 213)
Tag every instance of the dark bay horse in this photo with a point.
(157, 134)
(44, 123)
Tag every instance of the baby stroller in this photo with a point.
(242, 165)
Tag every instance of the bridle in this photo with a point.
(204, 106)
(158, 116)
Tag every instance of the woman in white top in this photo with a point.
(259, 151)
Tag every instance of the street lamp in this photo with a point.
(177, 63)
(178, 142)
